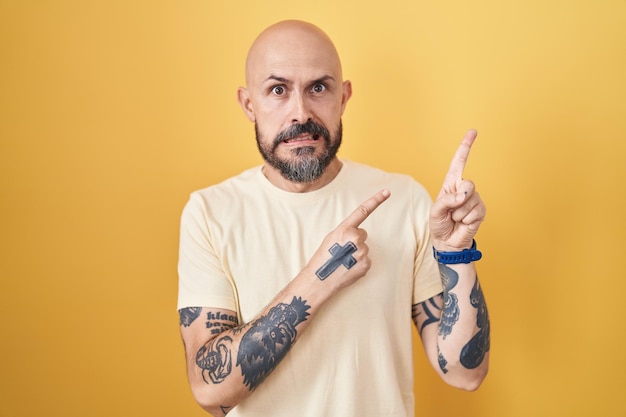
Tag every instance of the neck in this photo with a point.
(274, 176)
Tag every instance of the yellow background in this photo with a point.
(112, 112)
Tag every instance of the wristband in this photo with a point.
(463, 257)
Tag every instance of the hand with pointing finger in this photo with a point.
(458, 210)
(343, 255)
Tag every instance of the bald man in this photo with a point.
(337, 256)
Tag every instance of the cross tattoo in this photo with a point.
(342, 255)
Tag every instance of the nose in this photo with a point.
(301, 111)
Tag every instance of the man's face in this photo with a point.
(296, 97)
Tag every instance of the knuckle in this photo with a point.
(367, 264)
(364, 249)
(469, 185)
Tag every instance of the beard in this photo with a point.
(303, 166)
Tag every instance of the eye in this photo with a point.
(318, 88)
(279, 90)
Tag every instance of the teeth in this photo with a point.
(299, 138)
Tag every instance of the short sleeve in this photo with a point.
(202, 281)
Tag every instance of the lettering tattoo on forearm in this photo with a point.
(218, 322)
(342, 255)
(188, 315)
(451, 311)
(268, 340)
(474, 351)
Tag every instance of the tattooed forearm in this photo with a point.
(215, 359)
(188, 315)
(429, 309)
(450, 313)
(474, 351)
(269, 339)
(342, 255)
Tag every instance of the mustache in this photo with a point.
(296, 130)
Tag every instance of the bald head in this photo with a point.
(291, 45)
(295, 95)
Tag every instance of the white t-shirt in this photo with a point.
(244, 239)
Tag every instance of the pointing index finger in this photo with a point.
(455, 173)
(366, 208)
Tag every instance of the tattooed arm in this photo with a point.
(227, 360)
(454, 326)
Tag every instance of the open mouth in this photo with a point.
(302, 138)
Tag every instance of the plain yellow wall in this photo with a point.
(112, 112)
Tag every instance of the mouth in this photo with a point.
(302, 138)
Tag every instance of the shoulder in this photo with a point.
(225, 195)
(233, 185)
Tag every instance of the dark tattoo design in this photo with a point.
(342, 255)
(474, 351)
(215, 360)
(424, 308)
(442, 361)
(218, 322)
(268, 340)
(188, 315)
(450, 313)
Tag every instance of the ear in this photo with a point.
(243, 96)
(345, 95)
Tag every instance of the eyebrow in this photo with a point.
(286, 81)
(276, 78)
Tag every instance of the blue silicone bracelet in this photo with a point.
(463, 257)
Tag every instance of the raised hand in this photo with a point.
(342, 257)
(458, 210)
